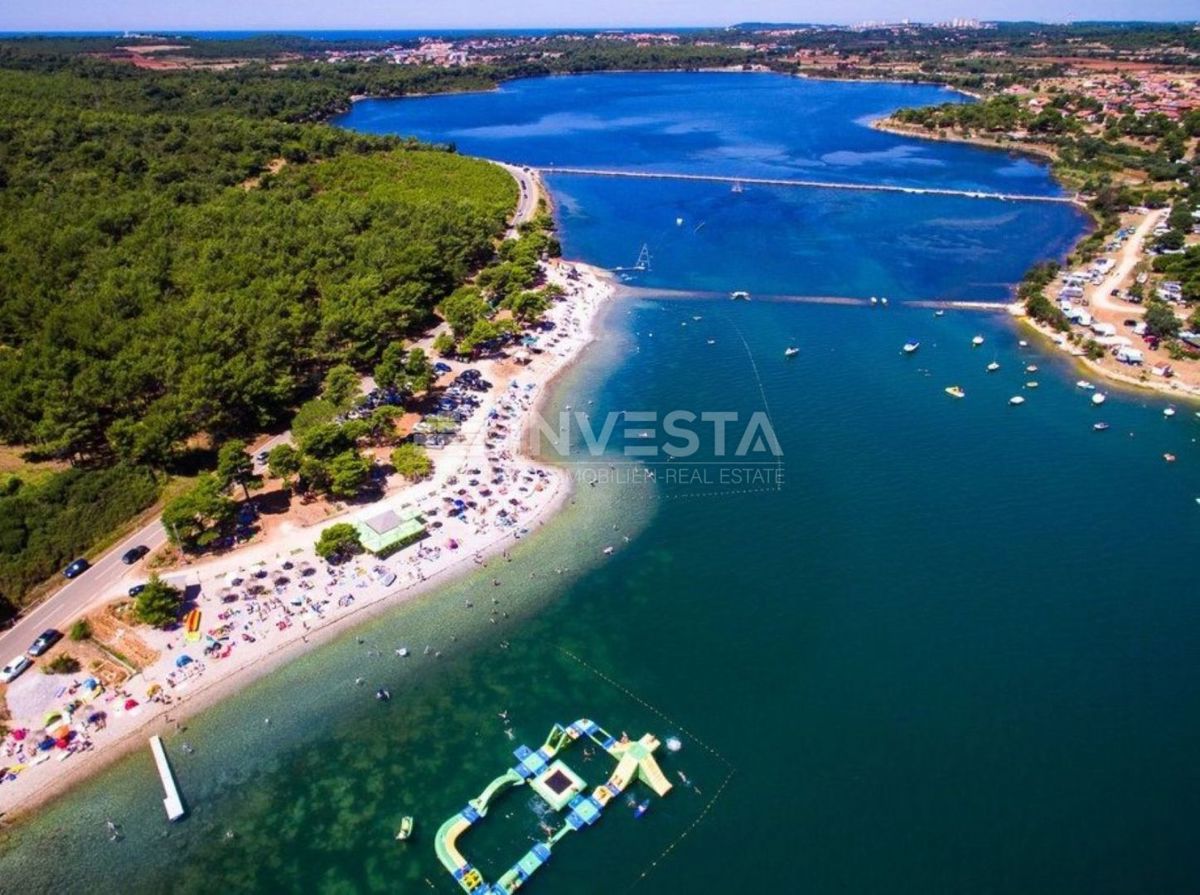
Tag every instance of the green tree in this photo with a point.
(527, 306)
(389, 372)
(235, 466)
(80, 630)
(326, 441)
(339, 541)
(463, 308)
(1161, 320)
(443, 344)
(341, 386)
(191, 519)
(63, 663)
(349, 472)
(158, 604)
(418, 371)
(411, 461)
(283, 462)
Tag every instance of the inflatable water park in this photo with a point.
(561, 788)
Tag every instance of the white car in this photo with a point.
(13, 669)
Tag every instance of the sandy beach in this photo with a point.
(267, 602)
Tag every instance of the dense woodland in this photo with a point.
(157, 282)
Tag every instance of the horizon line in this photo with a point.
(866, 24)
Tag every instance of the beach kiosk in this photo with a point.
(389, 531)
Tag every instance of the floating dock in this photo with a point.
(173, 801)
(561, 788)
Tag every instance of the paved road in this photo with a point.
(106, 579)
(527, 198)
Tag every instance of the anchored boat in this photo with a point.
(910, 347)
(977, 341)
(791, 351)
(406, 828)
(955, 392)
(739, 296)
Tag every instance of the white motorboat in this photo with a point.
(977, 341)
(910, 347)
(791, 351)
(993, 367)
(1098, 398)
(1016, 399)
(1168, 411)
(1085, 385)
(740, 295)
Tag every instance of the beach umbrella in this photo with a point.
(19, 734)
(46, 744)
(62, 742)
(183, 659)
(153, 689)
(95, 717)
(51, 717)
(130, 704)
(59, 732)
(91, 684)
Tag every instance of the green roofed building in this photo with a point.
(389, 531)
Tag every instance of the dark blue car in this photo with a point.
(77, 568)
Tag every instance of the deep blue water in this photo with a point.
(955, 651)
(765, 239)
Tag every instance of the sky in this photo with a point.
(183, 15)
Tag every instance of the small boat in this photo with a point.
(712, 341)
(1032, 383)
(674, 744)
(1085, 385)
(939, 313)
(910, 347)
(977, 341)
(1022, 344)
(874, 300)
(739, 296)
(382, 695)
(1031, 368)
(1170, 458)
(791, 351)
(993, 367)
(678, 222)
(406, 828)
(1098, 398)
(883, 301)
(608, 551)
(1168, 411)
(955, 392)
(641, 809)
(1015, 400)
(1100, 427)
(402, 652)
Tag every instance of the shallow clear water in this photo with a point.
(954, 652)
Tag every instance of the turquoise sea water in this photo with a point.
(955, 652)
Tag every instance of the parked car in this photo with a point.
(13, 669)
(77, 568)
(136, 589)
(133, 554)
(45, 640)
